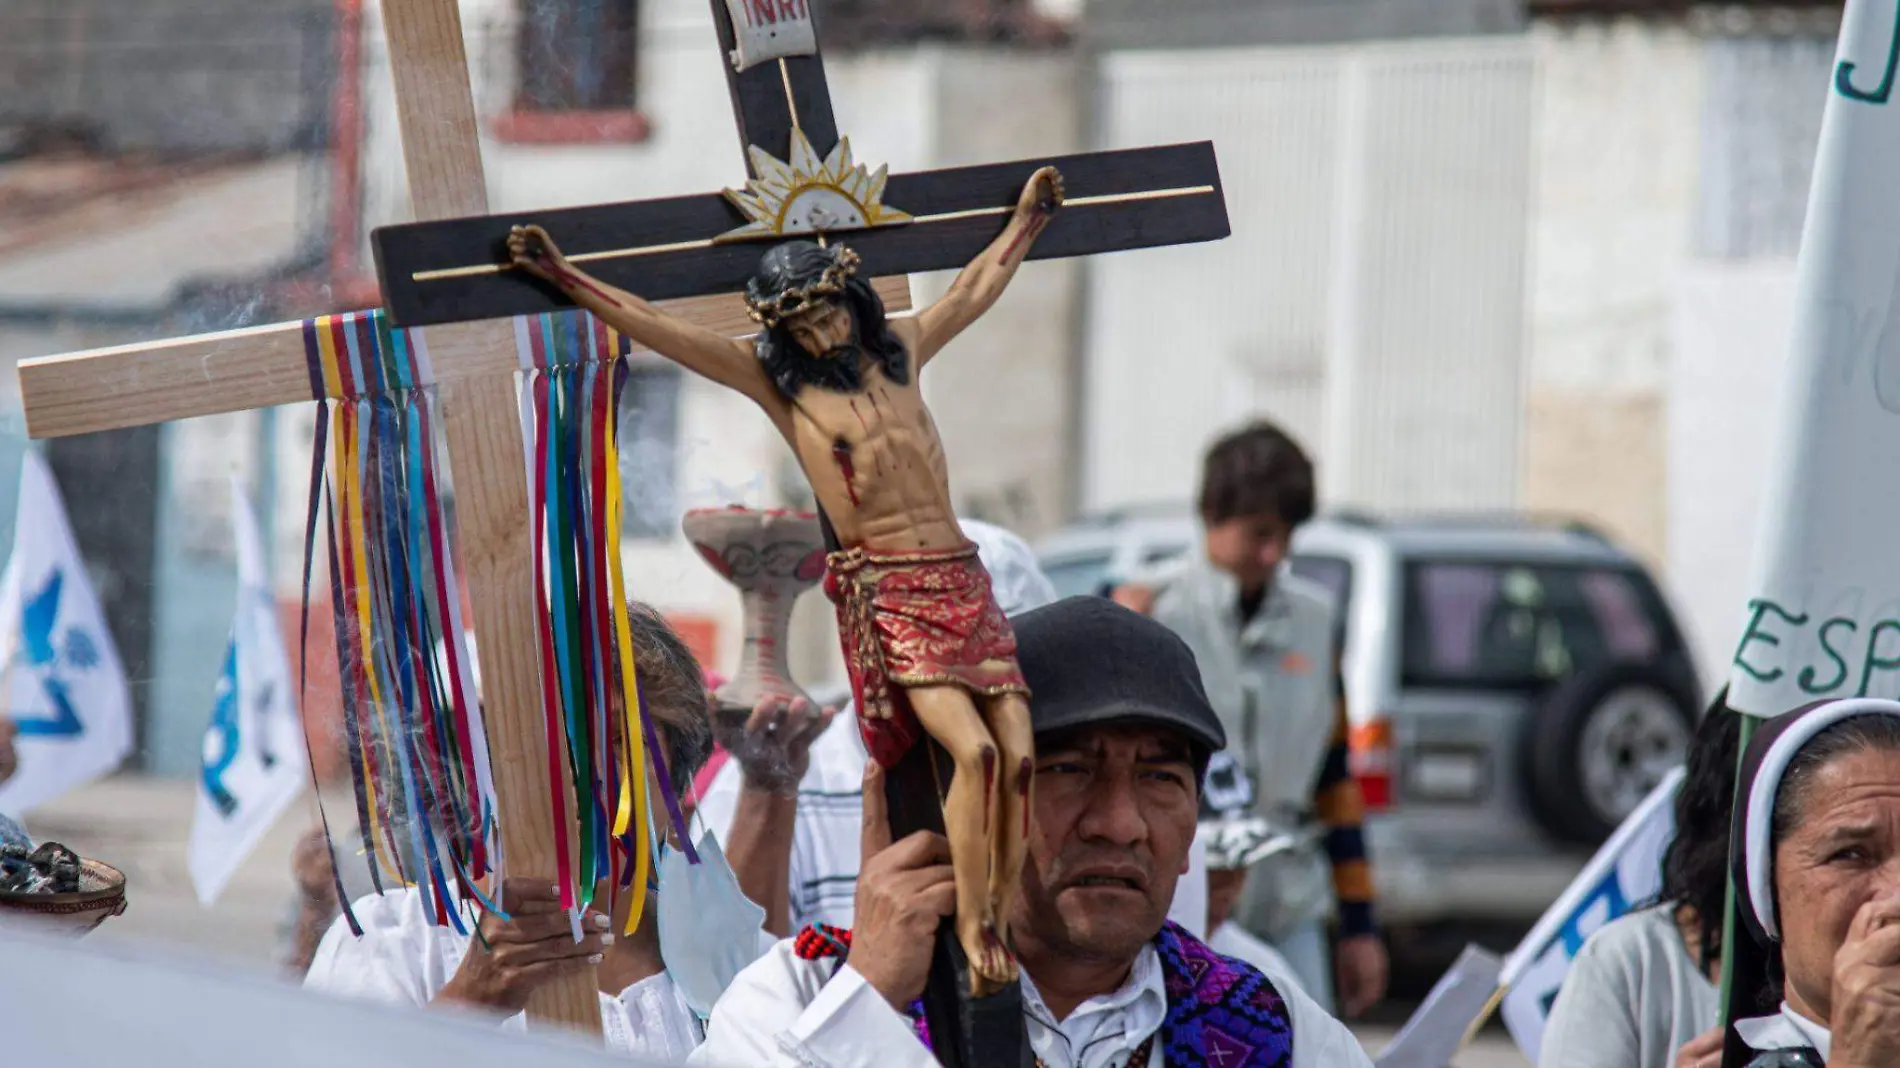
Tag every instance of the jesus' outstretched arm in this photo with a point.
(726, 361)
(984, 280)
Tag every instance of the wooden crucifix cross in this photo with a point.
(475, 366)
(929, 652)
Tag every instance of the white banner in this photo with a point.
(770, 29)
(60, 675)
(1823, 617)
(253, 765)
(1625, 873)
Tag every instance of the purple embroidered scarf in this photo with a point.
(1221, 1012)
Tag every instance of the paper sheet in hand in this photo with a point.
(1436, 1031)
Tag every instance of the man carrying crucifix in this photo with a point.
(924, 640)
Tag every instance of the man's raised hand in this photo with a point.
(524, 952)
(774, 746)
(904, 892)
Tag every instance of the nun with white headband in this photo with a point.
(1817, 874)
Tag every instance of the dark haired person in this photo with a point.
(1641, 993)
(1266, 642)
(1817, 888)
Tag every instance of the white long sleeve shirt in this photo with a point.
(404, 959)
(788, 1012)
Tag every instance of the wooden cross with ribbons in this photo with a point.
(474, 366)
(804, 180)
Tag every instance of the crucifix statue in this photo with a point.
(929, 652)
(925, 643)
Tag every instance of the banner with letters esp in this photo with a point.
(1823, 617)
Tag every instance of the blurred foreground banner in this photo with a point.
(84, 1005)
(1823, 616)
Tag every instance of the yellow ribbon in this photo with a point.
(632, 808)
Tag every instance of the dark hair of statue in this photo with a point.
(795, 265)
(1695, 866)
(1257, 470)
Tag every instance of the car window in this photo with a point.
(1330, 572)
(1335, 576)
(1504, 624)
(1077, 576)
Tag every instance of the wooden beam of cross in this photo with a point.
(239, 370)
(459, 270)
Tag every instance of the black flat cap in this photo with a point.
(1090, 662)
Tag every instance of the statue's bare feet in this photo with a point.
(992, 965)
(532, 250)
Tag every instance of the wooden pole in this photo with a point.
(480, 418)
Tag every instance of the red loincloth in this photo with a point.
(917, 619)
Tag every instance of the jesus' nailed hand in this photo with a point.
(922, 631)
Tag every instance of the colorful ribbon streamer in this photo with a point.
(421, 775)
(573, 367)
(418, 751)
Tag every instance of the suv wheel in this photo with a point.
(1600, 742)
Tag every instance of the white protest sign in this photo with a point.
(61, 680)
(767, 30)
(253, 763)
(1625, 873)
(1824, 612)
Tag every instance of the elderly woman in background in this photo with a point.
(1817, 876)
(1641, 993)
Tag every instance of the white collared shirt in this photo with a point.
(1104, 1030)
(787, 1012)
(1787, 1029)
(403, 958)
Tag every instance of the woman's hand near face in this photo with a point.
(1866, 1017)
(1702, 1051)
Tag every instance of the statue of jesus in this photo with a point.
(923, 637)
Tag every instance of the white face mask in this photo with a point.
(709, 929)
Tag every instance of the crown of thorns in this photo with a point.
(790, 302)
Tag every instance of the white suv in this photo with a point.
(1515, 689)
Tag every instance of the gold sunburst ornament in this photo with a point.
(807, 195)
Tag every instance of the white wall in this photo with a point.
(1618, 162)
(1371, 296)
(1730, 332)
